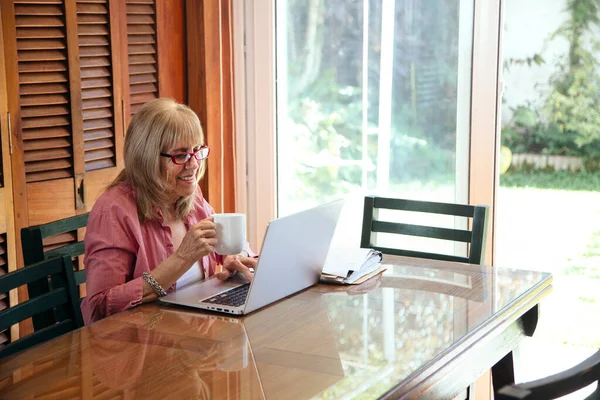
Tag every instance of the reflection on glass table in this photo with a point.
(391, 333)
(384, 336)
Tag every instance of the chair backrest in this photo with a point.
(61, 300)
(32, 240)
(476, 237)
(558, 385)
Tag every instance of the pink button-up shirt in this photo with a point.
(118, 249)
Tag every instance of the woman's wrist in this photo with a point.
(182, 260)
(167, 273)
(156, 287)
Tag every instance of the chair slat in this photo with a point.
(45, 334)
(25, 275)
(457, 235)
(73, 250)
(80, 277)
(421, 254)
(63, 225)
(459, 210)
(29, 308)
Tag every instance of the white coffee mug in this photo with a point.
(231, 233)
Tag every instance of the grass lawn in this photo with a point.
(558, 230)
(562, 180)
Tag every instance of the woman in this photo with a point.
(152, 224)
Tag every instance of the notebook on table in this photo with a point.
(291, 259)
(351, 266)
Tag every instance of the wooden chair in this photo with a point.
(557, 385)
(61, 300)
(476, 237)
(32, 239)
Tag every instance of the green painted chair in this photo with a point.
(61, 300)
(558, 385)
(476, 237)
(32, 241)
(503, 371)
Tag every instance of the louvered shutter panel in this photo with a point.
(93, 25)
(4, 303)
(141, 48)
(54, 242)
(44, 89)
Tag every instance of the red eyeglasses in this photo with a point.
(184, 157)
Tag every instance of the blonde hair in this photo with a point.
(158, 126)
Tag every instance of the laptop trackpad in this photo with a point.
(207, 288)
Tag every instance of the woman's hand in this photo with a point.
(238, 263)
(198, 242)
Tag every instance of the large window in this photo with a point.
(348, 97)
(372, 96)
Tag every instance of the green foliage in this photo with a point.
(562, 180)
(536, 59)
(569, 121)
(320, 129)
(418, 159)
(574, 101)
(528, 133)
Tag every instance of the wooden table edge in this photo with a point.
(445, 372)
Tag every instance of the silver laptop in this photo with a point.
(291, 259)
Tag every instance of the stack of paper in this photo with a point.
(351, 266)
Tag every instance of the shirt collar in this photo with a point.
(189, 219)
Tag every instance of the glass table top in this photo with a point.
(327, 342)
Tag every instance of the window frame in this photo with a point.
(255, 85)
(255, 77)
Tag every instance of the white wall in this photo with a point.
(528, 25)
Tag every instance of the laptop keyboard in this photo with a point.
(234, 297)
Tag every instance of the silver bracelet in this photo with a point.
(154, 285)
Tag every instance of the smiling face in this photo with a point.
(163, 126)
(181, 180)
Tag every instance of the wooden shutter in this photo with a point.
(44, 91)
(54, 242)
(1, 170)
(142, 53)
(64, 94)
(4, 301)
(93, 23)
